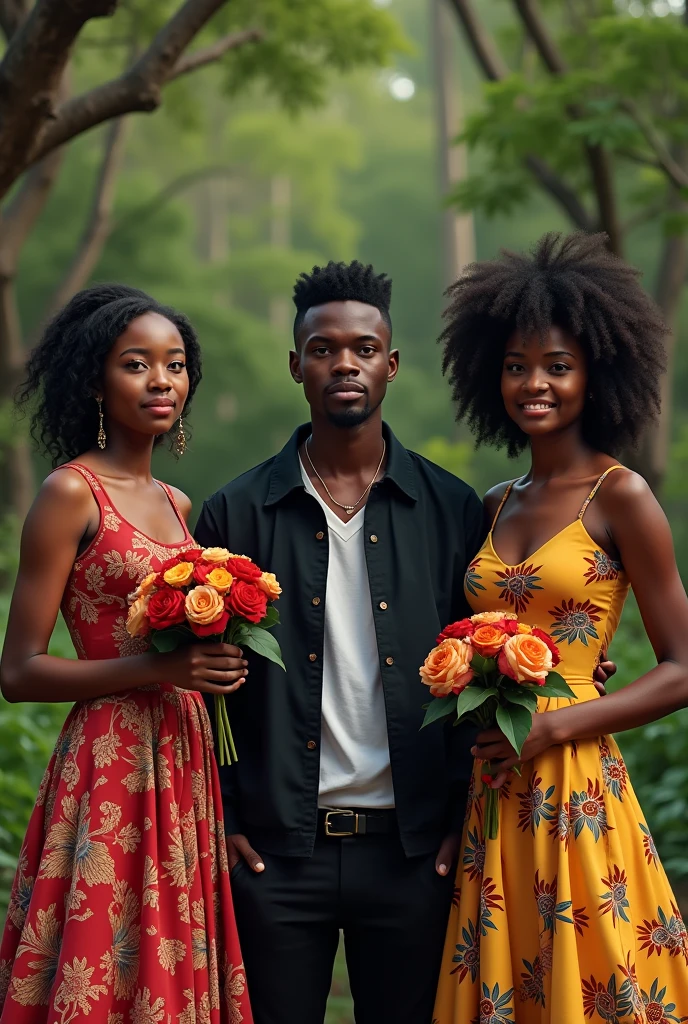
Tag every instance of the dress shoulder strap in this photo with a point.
(502, 503)
(173, 502)
(596, 488)
(97, 489)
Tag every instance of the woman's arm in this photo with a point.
(59, 518)
(642, 536)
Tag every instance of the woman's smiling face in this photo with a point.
(544, 381)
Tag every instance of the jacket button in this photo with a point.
(312, 657)
(315, 601)
(373, 538)
(383, 605)
(319, 535)
(389, 661)
(311, 744)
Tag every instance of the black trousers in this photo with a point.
(392, 909)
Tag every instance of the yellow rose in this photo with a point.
(528, 657)
(269, 585)
(137, 623)
(447, 668)
(216, 555)
(523, 627)
(240, 556)
(145, 587)
(220, 579)
(203, 605)
(488, 618)
(488, 640)
(179, 575)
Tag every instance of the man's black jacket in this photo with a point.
(422, 528)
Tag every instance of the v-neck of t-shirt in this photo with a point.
(344, 530)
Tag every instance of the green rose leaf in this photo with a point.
(438, 708)
(472, 697)
(483, 666)
(262, 642)
(166, 640)
(527, 698)
(515, 722)
(270, 619)
(555, 686)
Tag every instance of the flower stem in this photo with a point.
(226, 749)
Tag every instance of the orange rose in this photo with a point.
(528, 658)
(489, 618)
(203, 606)
(179, 575)
(447, 668)
(219, 579)
(137, 622)
(269, 585)
(488, 640)
(215, 555)
(145, 587)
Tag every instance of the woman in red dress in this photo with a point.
(121, 909)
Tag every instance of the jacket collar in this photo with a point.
(286, 468)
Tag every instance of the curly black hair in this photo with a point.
(64, 370)
(338, 282)
(575, 283)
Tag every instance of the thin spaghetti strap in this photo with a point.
(168, 491)
(97, 489)
(596, 488)
(502, 503)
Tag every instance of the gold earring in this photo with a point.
(102, 439)
(180, 442)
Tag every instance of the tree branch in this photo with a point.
(495, 69)
(599, 161)
(210, 54)
(12, 14)
(169, 191)
(673, 170)
(139, 88)
(98, 225)
(30, 75)
(481, 42)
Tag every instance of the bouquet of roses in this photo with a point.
(208, 594)
(491, 669)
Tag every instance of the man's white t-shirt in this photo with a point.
(354, 752)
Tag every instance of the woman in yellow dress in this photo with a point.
(567, 916)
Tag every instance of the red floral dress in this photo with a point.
(121, 910)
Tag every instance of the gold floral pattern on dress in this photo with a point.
(42, 942)
(102, 926)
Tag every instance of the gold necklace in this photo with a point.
(349, 509)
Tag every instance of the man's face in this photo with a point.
(343, 360)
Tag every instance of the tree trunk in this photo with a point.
(280, 237)
(458, 234)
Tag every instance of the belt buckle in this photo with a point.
(347, 814)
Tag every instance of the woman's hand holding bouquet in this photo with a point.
(491, 669)
(209, 595)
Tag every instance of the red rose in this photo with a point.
(243, 569)
(218, 626)
(510, 626)
(191, 556)
(171, 562)
(201, 570)
(247, 601)
(166, 608)
(456, 631)
(503, 666)
(547, 639)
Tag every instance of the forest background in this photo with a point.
(326, 133)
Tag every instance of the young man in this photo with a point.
(341, 813)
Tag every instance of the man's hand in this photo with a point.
(604, 671)
(448, 855)
(238, 847)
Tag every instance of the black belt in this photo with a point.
(356, 822)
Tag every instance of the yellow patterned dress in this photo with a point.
(567, 916)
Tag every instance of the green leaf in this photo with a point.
(472, 697)
(438, 708)
(515, 722)
(166, 640)
(270, 619)
(555, 686)
(522, 696)
(264, 643)
(482, 666)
